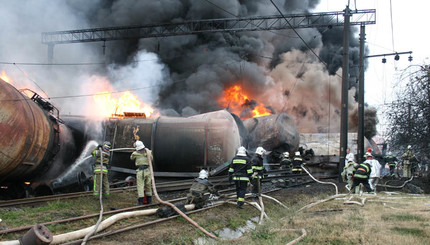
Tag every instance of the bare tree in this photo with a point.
(409, 114)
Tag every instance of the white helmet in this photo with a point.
(139, 145)
(286, 154)
(409, 146)
(203, 174)
(297, 153)
(390, 153)
(241, 151)
(260, 151)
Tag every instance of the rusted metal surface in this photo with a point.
(274, 132)
(37, 235)
(25, 134)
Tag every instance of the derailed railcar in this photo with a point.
(181, 146)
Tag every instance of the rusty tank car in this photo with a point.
(33, 141)
(42, 154)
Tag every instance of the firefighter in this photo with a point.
(407, 157)
(200, 186)
(101, 168)
(361, 175)
(391, 160)
(348, 172)
(143, 175)
(297, 162)
(258, 171)
(240, 171)
(286, 161)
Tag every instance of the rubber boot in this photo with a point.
(144, 200)
(139, 201)
(148, 199)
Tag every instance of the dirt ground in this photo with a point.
(325, 223)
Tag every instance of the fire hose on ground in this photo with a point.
(46, 238)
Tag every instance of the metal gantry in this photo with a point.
(261, 23)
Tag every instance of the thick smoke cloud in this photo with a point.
(184, 75)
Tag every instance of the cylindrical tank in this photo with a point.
(277, 132)
(178, 144)
(26, 134)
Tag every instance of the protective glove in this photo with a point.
(254, 174)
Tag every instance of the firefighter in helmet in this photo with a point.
(286, 161)
(240, 171)
(258, 171)
(102, 155)
(143, 175)
(408, 157)
(297, 163)
(200, 186)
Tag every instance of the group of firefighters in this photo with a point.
(368, 172)
(244, 169)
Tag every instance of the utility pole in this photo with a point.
(360, 136)
(345, 87)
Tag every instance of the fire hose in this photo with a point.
(171, 204)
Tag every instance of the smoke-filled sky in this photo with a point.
(179, 75)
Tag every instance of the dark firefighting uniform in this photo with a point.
(297, 162)
(99, 170)
(240, 170)
(391, 161)
(286, 163)
(198, 190)
(361, 175)
(258, 172)
(143, 175)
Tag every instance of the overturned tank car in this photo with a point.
(42, 154)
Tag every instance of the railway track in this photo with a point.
(225, 191)
(166, 186)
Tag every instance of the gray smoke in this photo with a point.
(191, 72)
(201, 66)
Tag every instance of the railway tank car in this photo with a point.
(42, 154)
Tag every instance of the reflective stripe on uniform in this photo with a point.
(97, 170)
(257, 168)
(241, 178)
(239, 161)
(240, 199)
(360, 176)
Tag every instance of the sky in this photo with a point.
(398, 28)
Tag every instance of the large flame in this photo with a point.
(236, 100)
(5, 77)
(115, 107)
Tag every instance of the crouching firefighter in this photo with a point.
(258, 171)
(240, 170)
(198, 190)
(102, 155)
(143, 175)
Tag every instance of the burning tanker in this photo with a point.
(42, 154)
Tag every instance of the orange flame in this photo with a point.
(127, 102)
(236, 100)
(5, 77)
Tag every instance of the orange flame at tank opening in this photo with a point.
(116, 107)
(236, 100)
(5, 77)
